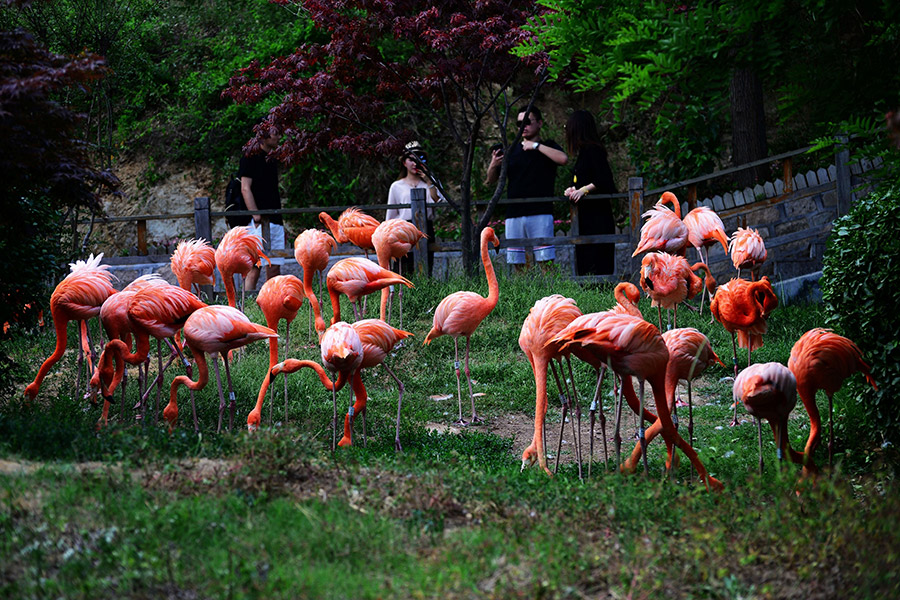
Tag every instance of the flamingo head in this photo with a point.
(170, 414)
(31, 391)
(253, 421)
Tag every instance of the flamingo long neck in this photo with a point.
(228, 282)
(540, 409)
(335, 229)
(669, 198)
(313, 301)
(493, 286)
(62, 338)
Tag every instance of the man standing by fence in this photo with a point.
(531, 173)
(259, 186)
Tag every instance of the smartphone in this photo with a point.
(497, 147)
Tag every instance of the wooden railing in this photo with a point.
(637, 197)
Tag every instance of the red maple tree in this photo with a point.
(381, 65)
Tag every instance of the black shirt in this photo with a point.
(264, 175)
(530, 174)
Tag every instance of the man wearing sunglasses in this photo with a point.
(531, 173)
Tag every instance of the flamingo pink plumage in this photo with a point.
(194, 262)
(822, 360)
(748, 251)
(742, 307)
(238, 252)
(78, 297)
(460, 314)
(279, 299)
(312, 249)
(690, 354)
(290, 365)
(705, 229)
(342, 353)
(546, 318)
(393, 239)
(634, 347)
(627, 296)
(669, 280)
(378, 340)
(352, 226)
(664, 229)
(355, 277)
(769, 391)
(214, 330)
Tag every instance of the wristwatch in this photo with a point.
(535, 145)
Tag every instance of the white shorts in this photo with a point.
(532, 226)
(276, 232)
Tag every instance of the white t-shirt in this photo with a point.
(399, 194)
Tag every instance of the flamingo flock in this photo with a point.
(618, 340)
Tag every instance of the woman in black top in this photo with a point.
(592, 176)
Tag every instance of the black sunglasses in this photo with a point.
(526, 122)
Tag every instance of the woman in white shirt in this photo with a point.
(412, 176)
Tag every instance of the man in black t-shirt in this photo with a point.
(259, 186)
(531, 173)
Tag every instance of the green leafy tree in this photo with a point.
(681, 76)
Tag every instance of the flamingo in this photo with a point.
(214, 330)
(690, 354)
(748, 251)
(669, 280)
(78, 297)
(312, 249)
(117, 325)
(159, 311)
(342, 353)
(280, 298)
(352, 226)
(238, 252)
(822, 360)
(194, 262)
(769, 391)
(356, 277)
(634, 347)
(627, 296)
(290, 365)
(461, 313)
(393, 239)
(742, 307)
(664, 229)
(378, 340)
(546, 318)
(705, 228)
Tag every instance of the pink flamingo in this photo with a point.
(312, 249)
(290, 365)
(546, 318)
(705, 229)
(280, 298)
(214, 330)
(352, 226)
(461, 313)
(822, 360)
(634, 347)
(769, 391)
(194, 262)
(748, 251)
(669, 280)
(238, 252)
(342, 353)
(378, 340)
(742, 307)
(78, 297)
(356, 277)
(393, 239)
(664, 229)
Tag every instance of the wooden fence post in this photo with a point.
(420, 251)
(636, 208)
(203, 230)
(842, 183)
(142, 237)
(202, 220)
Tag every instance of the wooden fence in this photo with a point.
(638, 199)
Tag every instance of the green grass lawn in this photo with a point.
(131, 511)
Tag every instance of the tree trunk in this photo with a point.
(748, 124)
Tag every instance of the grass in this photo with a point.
(131, 511)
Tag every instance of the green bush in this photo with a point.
(859, 283)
